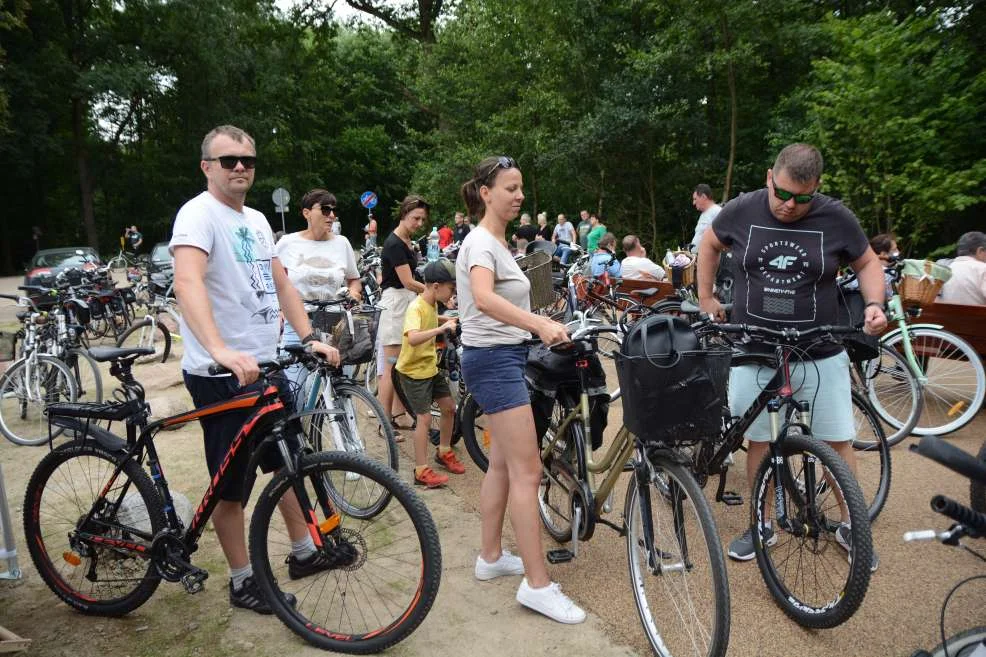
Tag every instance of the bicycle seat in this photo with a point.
(104, 354)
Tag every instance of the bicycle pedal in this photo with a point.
(194, 581)
(729, 498)
(560, 555)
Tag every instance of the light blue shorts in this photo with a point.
(831, 410)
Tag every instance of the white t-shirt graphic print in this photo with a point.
(238, 279)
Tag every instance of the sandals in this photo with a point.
(398, 427)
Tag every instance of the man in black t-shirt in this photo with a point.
(788, 242)
(461, 228)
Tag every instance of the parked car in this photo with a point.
(161, 257)
(48, 263)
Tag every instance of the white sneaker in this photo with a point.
(507, 564)
(551, 602)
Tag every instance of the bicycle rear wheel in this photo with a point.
(475, 433)
(25, 389)
(559, 479)
(149, 334)
(85, 370)
(385, 569)
(677, 571)
(873, 465)
(805, 568)
(73, 510)
(893, 391)
(956, 381)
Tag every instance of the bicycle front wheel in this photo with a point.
(893, 391)
(381, 573)
(814, 579)
(677, 571)
(149, 334)
(956, 382)
(89, 534)
(25, 390)
(352, 421)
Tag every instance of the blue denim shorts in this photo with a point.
(495, 376)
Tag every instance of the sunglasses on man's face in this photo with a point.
(784, 196)
(229, 161)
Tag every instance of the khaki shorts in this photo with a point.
(395, 302)
(421, 392)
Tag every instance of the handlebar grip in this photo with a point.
(960, 513)
(216, 370)
(951, 457)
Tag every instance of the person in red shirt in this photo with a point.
(444, 236)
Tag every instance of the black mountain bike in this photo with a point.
(819, 493)
(103, 533)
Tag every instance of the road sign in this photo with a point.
(368, 200)
(280, 197)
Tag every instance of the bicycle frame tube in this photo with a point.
(897, 315)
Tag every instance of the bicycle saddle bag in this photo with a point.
(553, 376)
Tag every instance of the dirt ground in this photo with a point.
(899, 615)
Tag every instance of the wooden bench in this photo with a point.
(967, 322)
(648, 292)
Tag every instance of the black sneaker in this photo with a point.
(843, 536)
(329, 557)
(249, 596)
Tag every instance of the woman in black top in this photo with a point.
(544, 230)
(397, 264)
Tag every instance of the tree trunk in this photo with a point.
(82, 163)
(731, 81)
(652, 197)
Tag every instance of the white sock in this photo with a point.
(238, 575)
(304, 548)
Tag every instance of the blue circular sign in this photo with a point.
(368, 200)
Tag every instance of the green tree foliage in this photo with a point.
(616, 106)
(897, 111)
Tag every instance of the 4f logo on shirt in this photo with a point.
(782, 262)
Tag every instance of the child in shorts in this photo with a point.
(417, 367)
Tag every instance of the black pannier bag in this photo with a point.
(673, 390)
(852, 312)
(552, 376)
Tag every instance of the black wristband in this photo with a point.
(878, 304)
(311, 337)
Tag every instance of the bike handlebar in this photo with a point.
(787, 334)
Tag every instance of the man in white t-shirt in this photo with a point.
(702, 200)
(636, 265)
(968, 282)
(231, 289)
(564, 231)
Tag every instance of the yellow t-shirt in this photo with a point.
(419, 362)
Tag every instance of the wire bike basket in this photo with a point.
(352, 332)
(921, 281)
(537, 267)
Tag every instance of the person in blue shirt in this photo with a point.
(604, 259)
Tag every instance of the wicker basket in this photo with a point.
(537, 267)
(682, 276)
(921, 281)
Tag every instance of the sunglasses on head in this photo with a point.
(229, 161)
(785, 196)
(502, 162)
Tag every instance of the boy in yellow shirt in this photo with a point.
(417, 367)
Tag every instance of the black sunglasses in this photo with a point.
(502, 162)
(327, 209)
(229, 161)
(785, 196)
